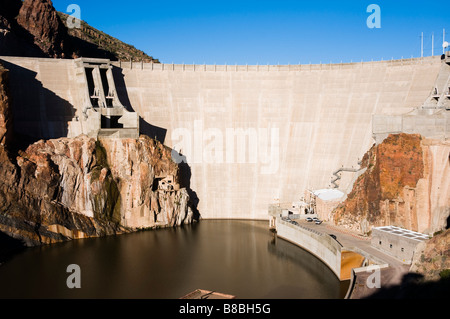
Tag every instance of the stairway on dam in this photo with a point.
(251, 134)
(337, 175)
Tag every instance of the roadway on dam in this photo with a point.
(351, 240)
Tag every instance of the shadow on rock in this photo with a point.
(185, 182)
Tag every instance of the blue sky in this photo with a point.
(269, 32)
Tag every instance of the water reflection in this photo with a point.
(234, 257)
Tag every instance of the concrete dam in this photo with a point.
(250, 135)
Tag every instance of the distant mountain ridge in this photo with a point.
(34, 28)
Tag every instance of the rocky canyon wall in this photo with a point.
(405, 185)
(68, 188)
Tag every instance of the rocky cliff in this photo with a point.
(34, 28)
(405, 185)
(57, 190)
(42, 22)
(432, 258)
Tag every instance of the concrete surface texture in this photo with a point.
(317, 243)
(251, 135)
(45, 95)
(397, 242)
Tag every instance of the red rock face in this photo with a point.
(379, 195)
(41, 20)
(400, 162)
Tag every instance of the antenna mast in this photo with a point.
(432, 44)
(421, 45)
(443, 41)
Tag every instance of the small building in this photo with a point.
(167, 183)
(398, 242)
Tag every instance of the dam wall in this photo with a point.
(246, 136)
(45, 96)
(320, 245)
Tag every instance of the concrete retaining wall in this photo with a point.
(252, 135)
(320, 245)
(429, 123)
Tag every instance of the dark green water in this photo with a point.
(241, 258)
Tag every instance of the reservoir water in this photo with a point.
(241, 258)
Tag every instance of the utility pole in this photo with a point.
(432, 44)
(421, 45)
(443, 41)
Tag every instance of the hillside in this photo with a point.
(34, 28)
(103, 41)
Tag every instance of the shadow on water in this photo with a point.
(9, 247)
(38, 113)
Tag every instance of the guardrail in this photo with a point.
(303, 227)
(138, 65)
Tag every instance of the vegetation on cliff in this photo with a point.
(120, 50)
(106, 200)
(432, 258)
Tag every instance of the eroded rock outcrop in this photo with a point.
(41, 20)
(432, 257)
(62, 189)
(31, 28)
(136, 164)
(405, 185)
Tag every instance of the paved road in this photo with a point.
(390, 276)
(351, 239)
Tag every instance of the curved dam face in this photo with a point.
(256, 135)
(249, 135)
